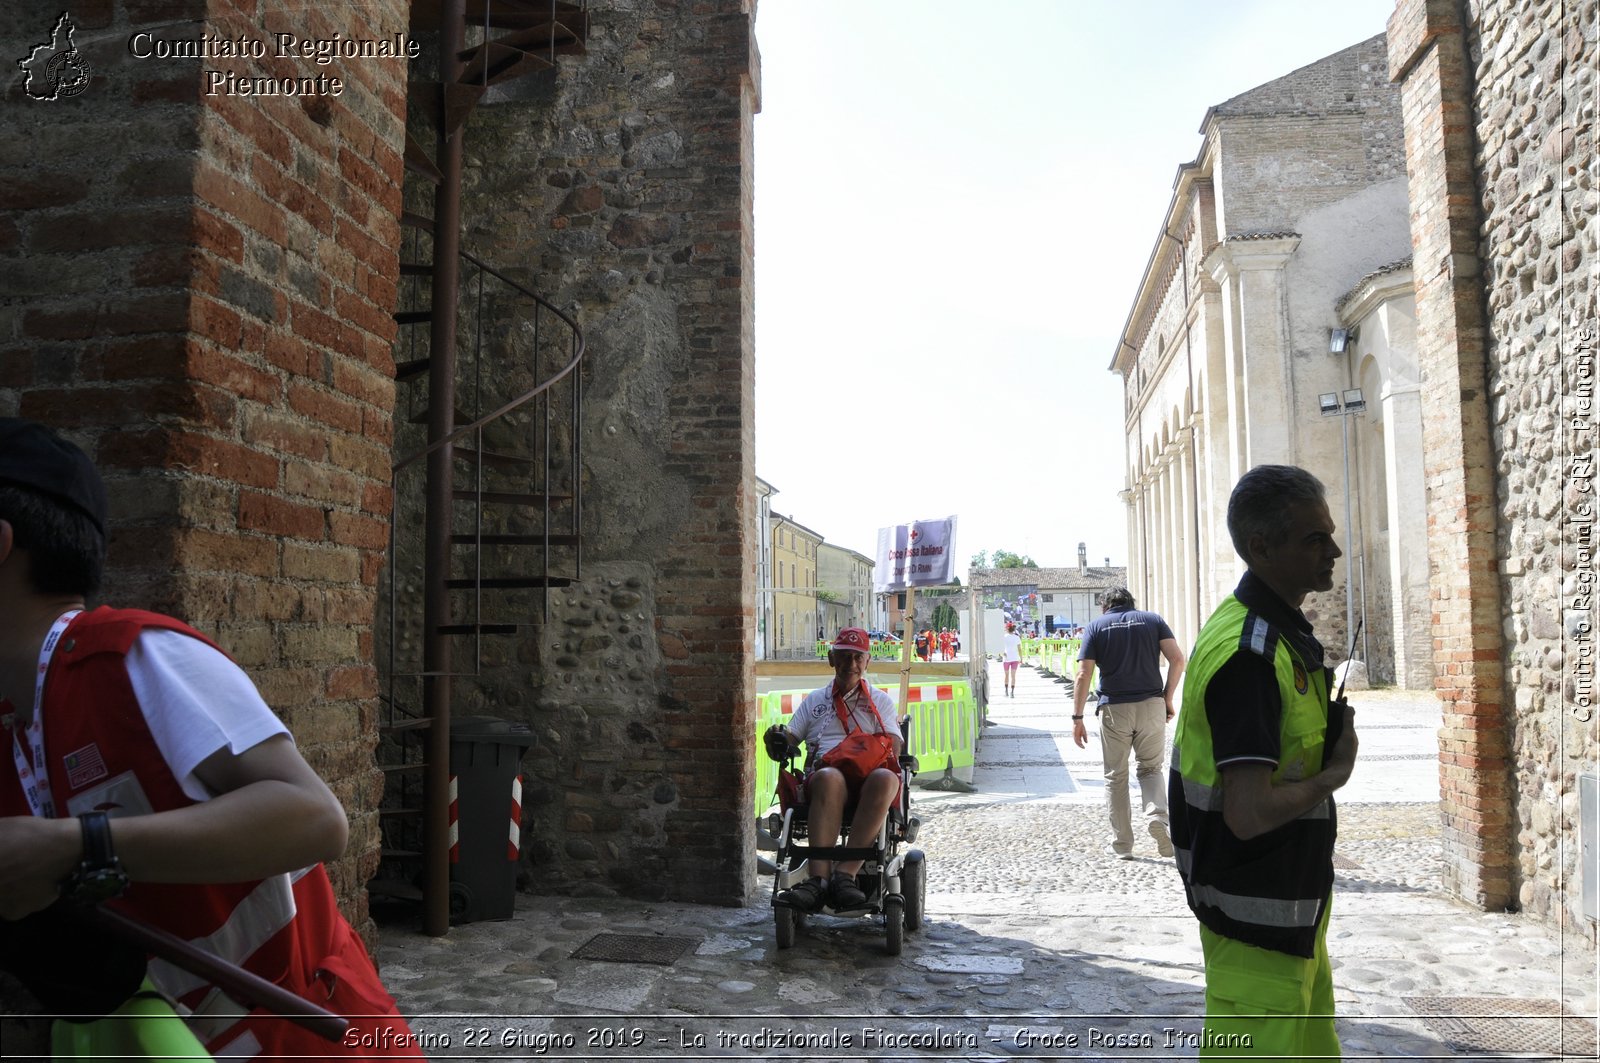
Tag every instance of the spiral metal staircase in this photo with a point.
(487, 476)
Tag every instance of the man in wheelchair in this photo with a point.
(847, 708)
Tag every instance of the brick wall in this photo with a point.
(197, 288)
(621, 189)
(1428, 58)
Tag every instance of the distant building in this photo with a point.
(794, 589)
(764, 575)
(1049, 597)
(1279, 283)
(844, 588)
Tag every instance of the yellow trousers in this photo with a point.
(1268, 1005)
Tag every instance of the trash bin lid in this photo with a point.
(490, 729)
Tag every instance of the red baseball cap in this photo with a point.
(853, 639)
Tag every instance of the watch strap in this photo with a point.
(97, 850)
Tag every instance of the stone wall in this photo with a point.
(1501, 147)
(1275, 166)
(1534, 69)
(620, 190)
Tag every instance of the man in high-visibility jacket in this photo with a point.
(1258, 753)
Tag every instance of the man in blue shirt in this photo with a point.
(1128, 644)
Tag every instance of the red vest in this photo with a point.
(287, 928)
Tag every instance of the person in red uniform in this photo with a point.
(146, 774)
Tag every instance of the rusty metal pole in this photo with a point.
(441, 422)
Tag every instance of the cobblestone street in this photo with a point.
(1037, 945)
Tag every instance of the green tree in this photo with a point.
(1006, 559)
(980, 559)
(944, 616)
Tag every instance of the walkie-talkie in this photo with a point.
(1338, 707)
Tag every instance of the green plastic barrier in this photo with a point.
(945, 727)
(1055, 656)
(144, 1028)
(771, 708)
(944, 731)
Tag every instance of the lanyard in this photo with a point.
(848, 718)
(35, 778)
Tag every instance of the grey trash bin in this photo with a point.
(486, 783)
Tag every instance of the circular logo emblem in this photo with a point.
(67, 74)
(1301, 683)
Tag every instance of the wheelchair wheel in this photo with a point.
(914, 884)
(894, 924)
(784, 920)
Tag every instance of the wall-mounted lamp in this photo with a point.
(1329, 404)
(1354, 401)
(1339, 339)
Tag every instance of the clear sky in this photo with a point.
(954, 205)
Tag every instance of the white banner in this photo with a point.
(919, 554)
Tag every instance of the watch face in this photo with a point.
(100, 884)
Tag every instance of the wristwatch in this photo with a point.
(99, 877)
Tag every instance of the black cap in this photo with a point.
(34, 457)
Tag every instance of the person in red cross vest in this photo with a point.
(847, 705)
(146, 774)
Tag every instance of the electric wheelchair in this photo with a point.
(894, 881)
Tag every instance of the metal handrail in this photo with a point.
(565, 370)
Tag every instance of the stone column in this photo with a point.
(1229, 359)
(1184, 618)
(1264, 346)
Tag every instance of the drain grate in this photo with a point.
(634, 948)
(1344, 863)
(1506, 1024)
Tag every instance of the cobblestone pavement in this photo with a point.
(1037, 945)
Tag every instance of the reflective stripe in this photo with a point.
(215, 1013)
(1258, 636)
(1199, 795)
(1209, 799)
(1318, 811)
(245, 1046)
(266, 910)
(1262, 911)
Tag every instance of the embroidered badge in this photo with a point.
(84, 766)
(1301, 683)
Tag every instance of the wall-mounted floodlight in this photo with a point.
(1338, 339)
(1328, 404)
(1354, 401)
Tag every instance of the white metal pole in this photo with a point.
(1349, 547)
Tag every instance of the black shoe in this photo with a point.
(807, 896)
(847, 893)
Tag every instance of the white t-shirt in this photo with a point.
(195, 702)
(1013, 647)
(815, 722)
